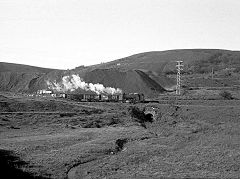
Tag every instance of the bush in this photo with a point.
(120, 144)
(236, 70)
(226, 95)
(114, 120)
(93, 124)
(138, 115)
(92, 111)
(67, 114)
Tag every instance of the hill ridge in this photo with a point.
(15, 67)
(154, 67)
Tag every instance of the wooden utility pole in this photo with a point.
(212, 73)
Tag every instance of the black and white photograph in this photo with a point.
(120, 89)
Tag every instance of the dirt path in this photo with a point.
(79, 170)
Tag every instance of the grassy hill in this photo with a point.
(144, 72)
(12, 67)
(195, 60)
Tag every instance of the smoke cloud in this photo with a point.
(73, 82)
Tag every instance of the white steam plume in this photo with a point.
(73, 82)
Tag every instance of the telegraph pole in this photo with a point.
(212, 73)
(179, 68)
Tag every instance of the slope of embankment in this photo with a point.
(129, 81)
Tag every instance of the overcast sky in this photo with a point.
(69, 33)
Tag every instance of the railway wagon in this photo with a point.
(91, 97)
(83, 97)
(133, 97)
(114, 98)
(125, 97)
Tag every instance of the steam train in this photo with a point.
(125, 97)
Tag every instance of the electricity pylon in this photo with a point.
(179, 68)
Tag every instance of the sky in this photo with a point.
(65, 34)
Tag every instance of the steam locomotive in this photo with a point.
(125, 97)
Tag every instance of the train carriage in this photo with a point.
(133, 97)
(113, 98)
(125, 97)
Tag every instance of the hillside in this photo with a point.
(195, 60)
(21, 78)
(19, 68)
(129, 81)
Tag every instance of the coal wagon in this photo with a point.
(125, 97)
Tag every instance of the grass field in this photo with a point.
(188, 139)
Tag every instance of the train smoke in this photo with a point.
(73, 82)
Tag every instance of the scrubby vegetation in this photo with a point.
(207, 60)
(139, 116)
(120, 144)
(136, 113)
(67, 114)
(226, 95)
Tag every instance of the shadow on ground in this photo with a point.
(10, 164)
